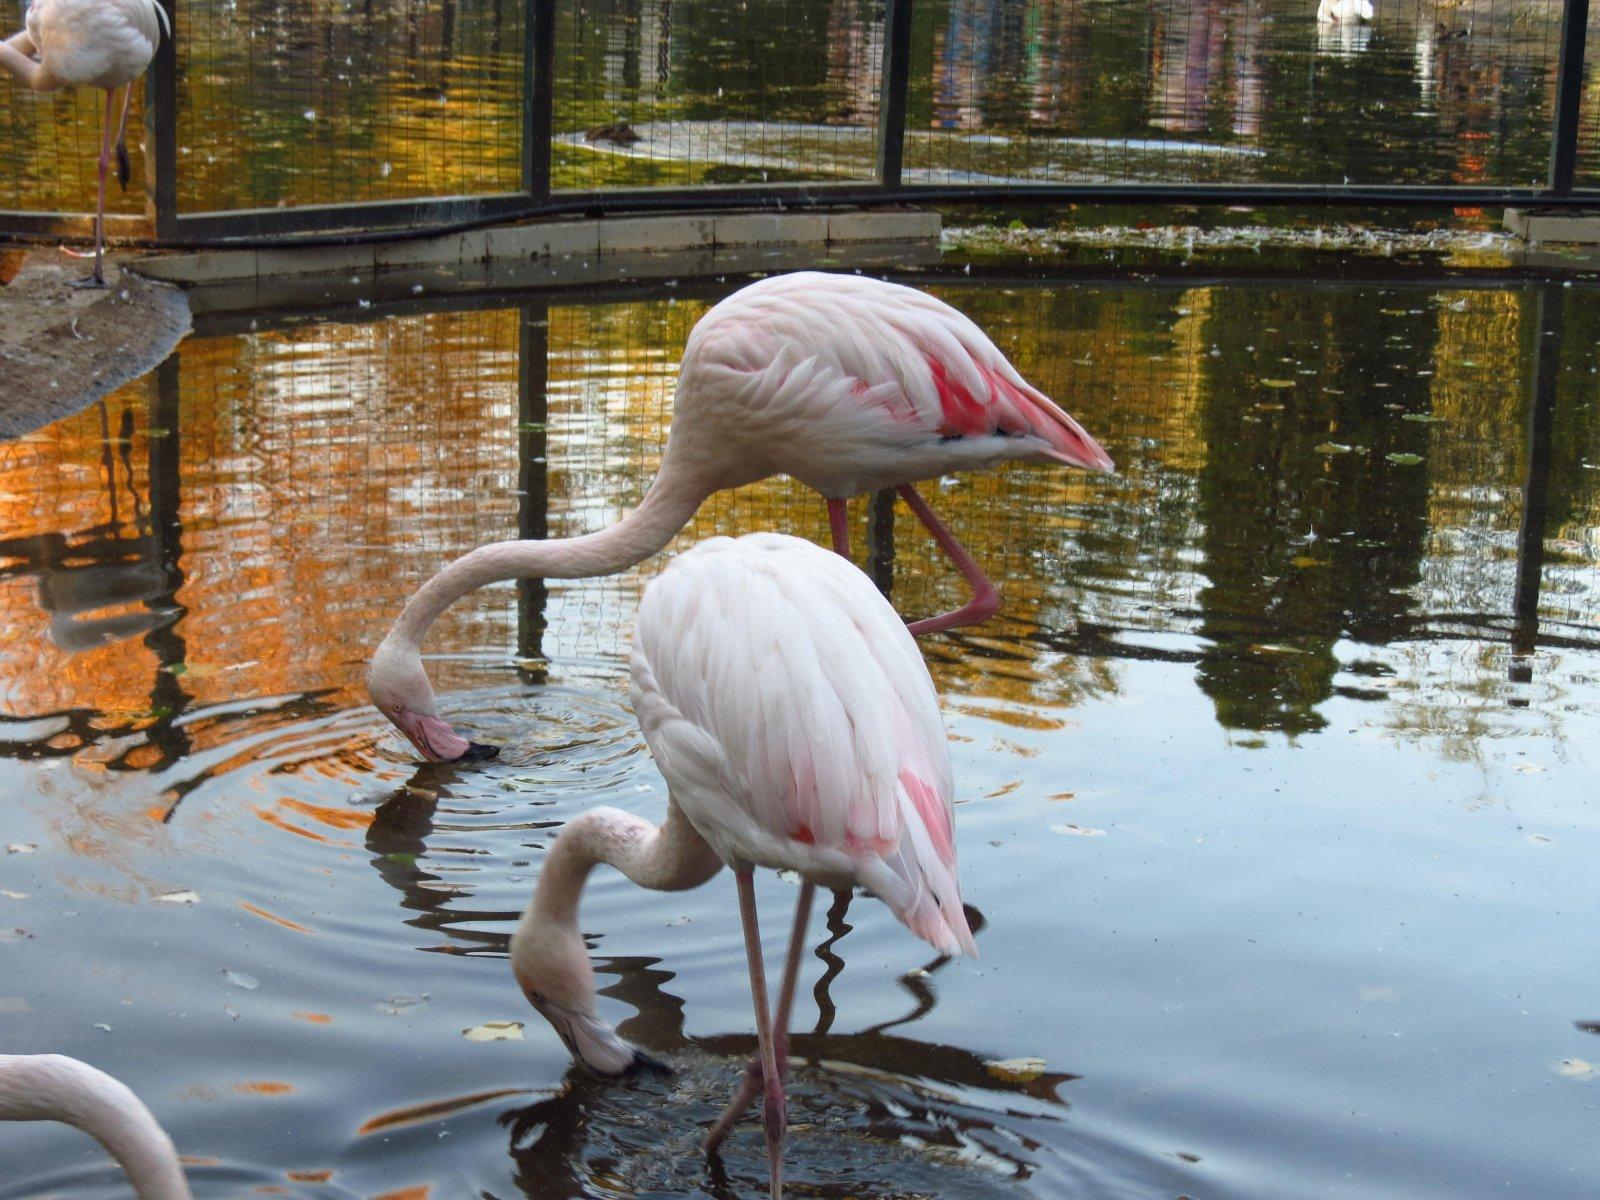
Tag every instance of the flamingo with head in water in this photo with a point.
(846, 383)
(97, 43)
(796, 726)
(53, 1087)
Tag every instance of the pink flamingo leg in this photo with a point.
(774, 1118)
(985, 597)
(97, 278)
(838, 522)
(751, 1083)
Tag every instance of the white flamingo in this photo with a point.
(1343, 12)
(846, 383)
(53, 1087)
(794, 720)
(94, 43)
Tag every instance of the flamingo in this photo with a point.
(795, 723)
(1343, 12)
(102, 43)
(53, 1087)
(848, 384)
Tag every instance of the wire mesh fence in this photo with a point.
(284, 119)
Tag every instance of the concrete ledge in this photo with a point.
(1532, 225)
(585, 240)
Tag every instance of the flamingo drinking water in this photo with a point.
(794, 720)
(53, 1087)
(98, 43)
(846, 383)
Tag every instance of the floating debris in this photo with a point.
(241, 980)
(494, 1031)
(1016, 1070)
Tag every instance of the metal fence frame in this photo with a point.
(381, 220)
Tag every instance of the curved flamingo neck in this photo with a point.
(671, 857)
(667, 507)
(52, 1087)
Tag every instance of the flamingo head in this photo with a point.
(400, 690)
(552, 968)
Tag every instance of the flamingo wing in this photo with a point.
(794, 720)
(884, 348)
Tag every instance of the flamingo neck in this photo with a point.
(671, 857)
(667, 507)
(548, 955)
(52, 1087)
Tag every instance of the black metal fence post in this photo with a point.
(538, 96)
(161, 131)
(1549, 324)
(895, 81)
(1569, 96)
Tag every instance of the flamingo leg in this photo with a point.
(839, 523)
(985, 596)
(753, 1076)
(774, 1118)
(123, 169)
(97, 277)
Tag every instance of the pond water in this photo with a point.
(1275, 773)
(313, 104)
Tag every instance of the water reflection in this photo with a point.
(290, 105)
(1319, 660)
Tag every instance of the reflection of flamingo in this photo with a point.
(846, 383)
(102, 43)
(797, 728)
(52, 1087)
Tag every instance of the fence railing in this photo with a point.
(265, 120)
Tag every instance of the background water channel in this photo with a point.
(1276, 772)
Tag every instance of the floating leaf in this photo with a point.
(1078, 830)
(1423, 418)
(1402, 459)
(1332, 448)
(239, 979)
(1576, 1068)
(1528, 768)
(1304, 561)
(20, 847)
(1277, 383)
(1538, 839)
(1016, 1070)
(180, 898)
(494, 1031)
(10, 895)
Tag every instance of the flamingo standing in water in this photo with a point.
(52, 1087)
(794, 720)
(100, 43)
(846, 383)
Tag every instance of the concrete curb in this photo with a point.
(575, 239)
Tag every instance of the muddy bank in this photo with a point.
(62, 348)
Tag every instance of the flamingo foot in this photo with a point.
(750, 1086)
(93, 280)
(984, 604)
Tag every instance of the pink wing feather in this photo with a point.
(920, 360)
(796, 724)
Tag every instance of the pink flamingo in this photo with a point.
(52, 1087)
(102, 43)
(846, 383)
(794, 720)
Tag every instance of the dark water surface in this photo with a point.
(1275, 774)
(293, 104)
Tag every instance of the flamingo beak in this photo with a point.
(595, 1045)
(437, 742)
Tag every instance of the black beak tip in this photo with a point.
(479, 752)
(643, 1064)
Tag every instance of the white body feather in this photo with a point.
(796, 724)
(95, 43)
